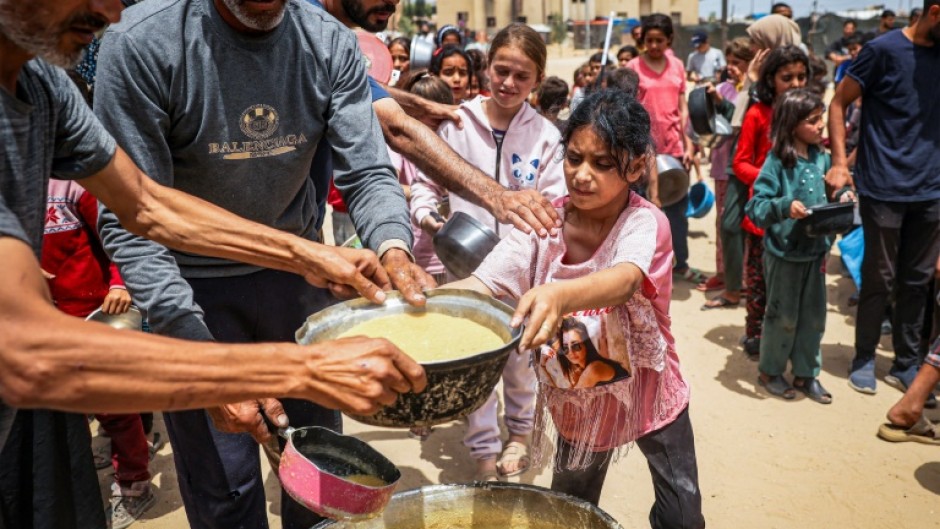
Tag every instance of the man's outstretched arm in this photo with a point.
(52, 360)
(526, 210)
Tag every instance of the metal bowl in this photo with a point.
(131, 319)
(456, 388)
(421, 53)
(463, 243)
(484, 506)
(673, 179)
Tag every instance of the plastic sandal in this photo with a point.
(777, 386)
(812, 389)
(513, 452)
(720, 302)
(923, 431)
(710, 284)
(692, 275)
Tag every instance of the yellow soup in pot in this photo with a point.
(430, 336)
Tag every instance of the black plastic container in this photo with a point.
(829, 219)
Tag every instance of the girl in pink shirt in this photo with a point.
(596, 297)
(662, 93)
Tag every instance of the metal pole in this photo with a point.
(724, 23)
(610, 29)
(587, 27)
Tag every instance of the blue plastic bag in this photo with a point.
(852, 247)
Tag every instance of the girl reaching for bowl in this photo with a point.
(609, 268)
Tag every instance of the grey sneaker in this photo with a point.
(862, 376)
(128, 503)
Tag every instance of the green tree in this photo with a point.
(422, 9)
(406, 26)
(559, 29)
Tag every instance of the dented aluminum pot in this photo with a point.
(484, 505)
(456, 388)
(334, 475)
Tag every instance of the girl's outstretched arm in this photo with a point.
(545, 304)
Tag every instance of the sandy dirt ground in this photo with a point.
(763, 462)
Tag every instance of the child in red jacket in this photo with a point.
(82, 279)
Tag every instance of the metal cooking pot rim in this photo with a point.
(456, 387)
(395, 299)
(433, 490)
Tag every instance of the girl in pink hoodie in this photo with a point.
(509, 140)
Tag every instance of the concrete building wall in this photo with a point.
(684, 12)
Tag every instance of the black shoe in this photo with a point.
(752, 347)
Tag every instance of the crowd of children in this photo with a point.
(596, 299)
(598, 365)
(766, 175)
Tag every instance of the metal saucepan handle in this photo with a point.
(272, 449)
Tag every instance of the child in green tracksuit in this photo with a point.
(790, 182)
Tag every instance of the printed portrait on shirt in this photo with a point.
(587, 351)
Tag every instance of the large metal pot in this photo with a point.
(707, 124)
(463, 243)
(455, 387)
(701, 111)
(334, 475)
(484, 506)
(673, 179)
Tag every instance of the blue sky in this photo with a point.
(801, 7)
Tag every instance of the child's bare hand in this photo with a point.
(544, 307)
(713, 92)
(753, 69)
(118, 301)
(798, 210)
(432, 225)
(848, 196)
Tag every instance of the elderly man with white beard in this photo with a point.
(229, 100)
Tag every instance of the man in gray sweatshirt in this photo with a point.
(228, 101)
